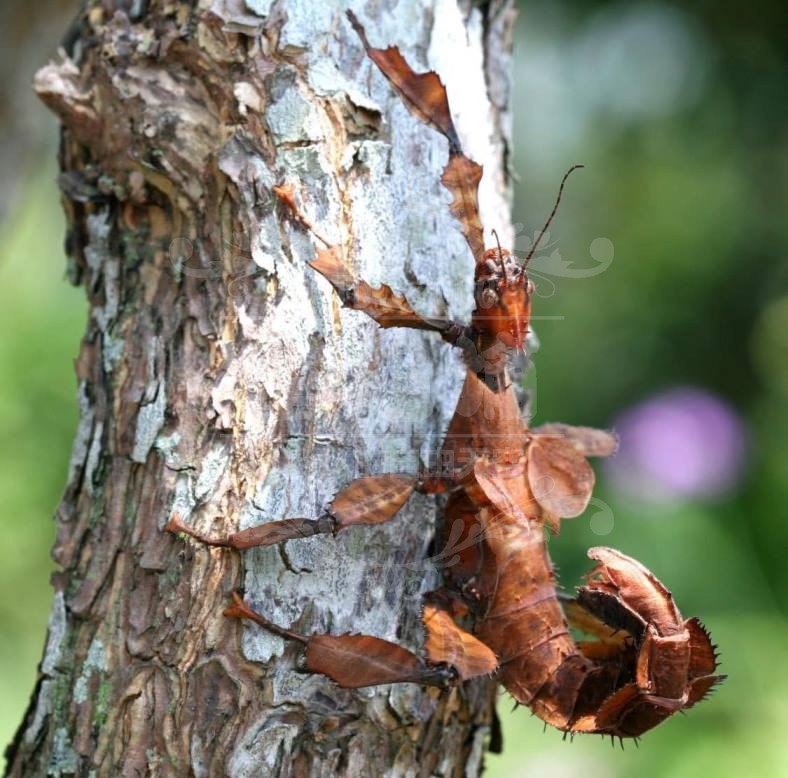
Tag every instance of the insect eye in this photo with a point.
(488, 298)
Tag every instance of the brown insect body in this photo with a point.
(505, 557)
(505, 484)
(657, 664)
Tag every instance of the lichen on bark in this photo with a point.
(219, 378)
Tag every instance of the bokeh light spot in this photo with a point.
(683, 443)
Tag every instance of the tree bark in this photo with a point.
(219, 378)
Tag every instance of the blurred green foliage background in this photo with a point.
(678, 111)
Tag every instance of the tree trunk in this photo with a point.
(219, 378)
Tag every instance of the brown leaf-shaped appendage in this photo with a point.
(372, 499)
(560, 478)
(461, 177)
(352, 661)
(637, 588)
(425, 95)
(506, 488)
(459, 542)
(674, 660)
(703, 662)
(386, 307)
(382, 304)
(703, 657)
(330, 265)
(588, 441)
(448, 643)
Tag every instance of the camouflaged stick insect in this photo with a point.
(504, 484)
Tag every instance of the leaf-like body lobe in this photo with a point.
(371, 500)
(447, 642)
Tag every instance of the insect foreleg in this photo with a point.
(381, 303)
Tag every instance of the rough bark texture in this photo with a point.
(220, 378)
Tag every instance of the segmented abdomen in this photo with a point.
(522, 620)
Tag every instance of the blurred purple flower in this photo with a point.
(684, 442)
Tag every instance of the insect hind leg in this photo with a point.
(355, 661)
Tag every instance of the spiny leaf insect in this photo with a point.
(499, 611)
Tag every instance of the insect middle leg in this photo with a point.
(372, 499)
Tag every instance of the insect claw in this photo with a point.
(176, 525)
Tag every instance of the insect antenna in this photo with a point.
(500, 255)
(552, 214)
